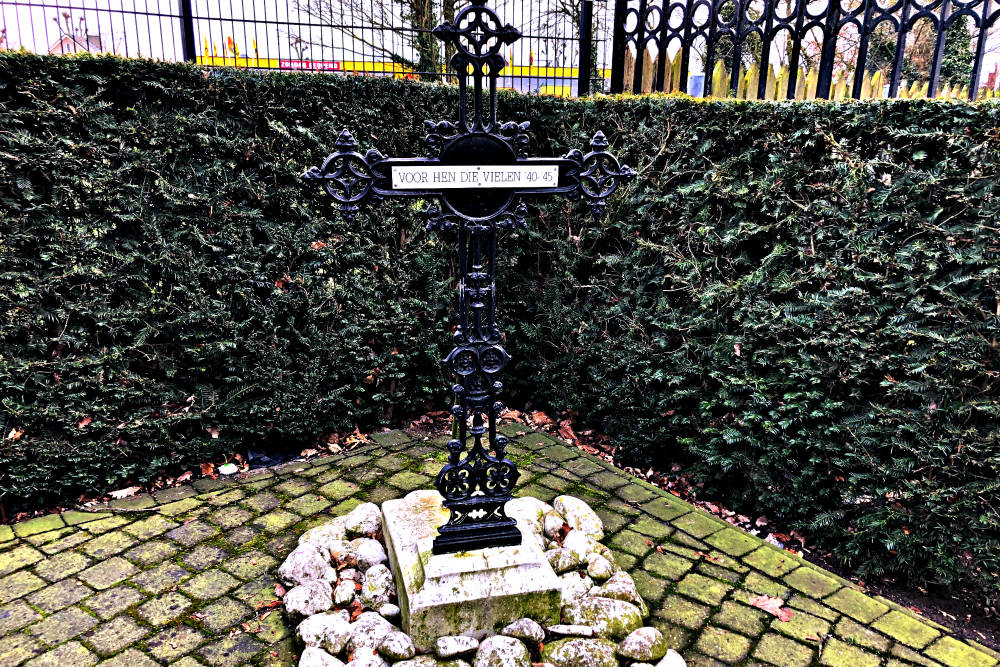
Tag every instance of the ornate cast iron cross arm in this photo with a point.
(353, 179)
(478, 173)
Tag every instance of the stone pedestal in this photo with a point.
(473, 593)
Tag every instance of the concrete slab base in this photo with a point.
(471, 593)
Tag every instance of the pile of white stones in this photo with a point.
(343, 590)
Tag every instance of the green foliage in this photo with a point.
(956, 61)
(801, 298)
(159, 275)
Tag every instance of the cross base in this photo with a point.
(453, 539)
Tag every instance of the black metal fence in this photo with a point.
(765, 49)
(374, 37)
(789, 49)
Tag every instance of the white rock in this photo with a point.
(378, 587)
(317, 657)
(449, 647)
(580, 652)
(608, 617)
(397, 645)
(525, 629)
(552, 523)
(313, 630)
(537, 507)
(599, 567)
(369, 631)
(644, 644)
(672, 659)
(365, 659)
(305, 563)
(564, 630)
(330, 576)
(621, 587)
(641, 664)
(363, 521)
(322, 536)
(369, 553)
(575, 586)
(338, 634)
(342, 553)
(563, 560)
(528, 511)
(419, 661)
(352, 574)
(581, 544)
(390, 612)
(552, 544)
(344, 592)
(500, 651)
(309, 598)
(579, 516)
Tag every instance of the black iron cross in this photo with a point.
(478, 172)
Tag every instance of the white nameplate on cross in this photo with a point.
(441, 177)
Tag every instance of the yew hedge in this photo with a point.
(800, 299)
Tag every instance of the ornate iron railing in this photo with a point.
(837, 36)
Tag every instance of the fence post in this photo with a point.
(586, 48)
(187, 32)
(829, 52)
(618, 48)
(942, 35)
(977, 63)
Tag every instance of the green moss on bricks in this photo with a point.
(741, 618)
(40, 525)
(60, 595)
(758, 583)
(109, 603)
(683, 612)
(906, 629)
(836, 653)
(631, 542)
(209, 584)
(63, 625)
(18, 584)
(149, 527)
(698, 525)
(71, 653)
(859, 635)
(171, 643)
(954, 653)
(778, 650)
(802, 626)
(812, 582)
(338, 490)
(702, 588)
(17, 648)
(108, 573)
(276, 521)
(667, 565)
(727, 646)
(113, 636)
(857, 605)
(164, 608)
(733, 542)
(807, 604)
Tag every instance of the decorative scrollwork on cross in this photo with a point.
(346, 174)
(478, 479)
(599, 173)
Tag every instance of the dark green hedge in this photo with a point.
(800, 298)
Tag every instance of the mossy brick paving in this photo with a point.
(174, 578)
